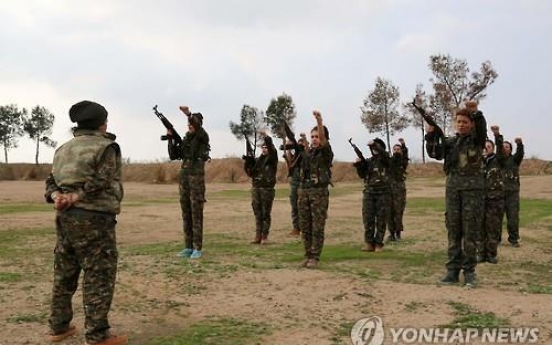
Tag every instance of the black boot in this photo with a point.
(391, 237)
(398, 235)
(470, 279)
(481, 258)
(452, 277)
(492, 259)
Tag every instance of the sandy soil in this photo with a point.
(301, 306)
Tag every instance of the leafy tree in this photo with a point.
(11, 120)
(281, 109)
(39, 127)
(379, 113)
(414, 116)
(250, 125)
(453, 84)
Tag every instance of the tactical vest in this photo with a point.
(511, 174)
(263, 173)
(195, 150)
(378, 176)
(493, 175)
(316, 167)
(464, 163)
(75, 163)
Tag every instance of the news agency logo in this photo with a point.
(370, 331)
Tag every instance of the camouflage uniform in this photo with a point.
(487, 242)
(314, 198)
(194, 152)
(465, 193)
(293, 174)
(399, 163)
(89, 165)
(511, 194)
(263, 179)
(376, 199)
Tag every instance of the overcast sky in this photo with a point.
(217, 55)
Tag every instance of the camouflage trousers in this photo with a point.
(192, 200)
(464, 221)
(85, 241)
(376, 208)
(261, 202)
(487, 241)
(293, 199)
(398, 204)
(511, 211)
(313, 211)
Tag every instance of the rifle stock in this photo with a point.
(174, 139)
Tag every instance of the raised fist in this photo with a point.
(518, 140)
(471, 105)
(317, 114)
(401, 140)
(185, 110)
(495, 129)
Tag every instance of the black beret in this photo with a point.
(196, 120)
(88, 114)
(380, 142)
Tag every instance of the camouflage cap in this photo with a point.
(88, 114)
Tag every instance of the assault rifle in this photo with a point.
(357, 151)
(428, 119)
(249, 156)
(174, 139)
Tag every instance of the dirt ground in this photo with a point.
(160, 294)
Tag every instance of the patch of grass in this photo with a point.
(341, 335)
(413, 306)
(228, 331)
(467, 316)
(423, 205)
(534, 211)
(537, 289)
(27, 318)
(26, 208)
(15, 241)
(6, 277)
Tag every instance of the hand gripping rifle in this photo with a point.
(357, 151)
(174, 139)
(249, 156)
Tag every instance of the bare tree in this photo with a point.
(414, 116)
(39, 127)
(250, 125)
(281, 109)
(379, 113)
(11, 127)
(453, 84)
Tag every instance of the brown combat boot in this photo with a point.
(257, 239)
(55, 338)
(312, 263)
(112, 340)
(368, 247)
(378, 248)
(264, 239)
(295, 232)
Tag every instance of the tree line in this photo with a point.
(451, 84)
(16, 123)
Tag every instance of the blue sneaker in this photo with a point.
(185, 253)
(196, 254)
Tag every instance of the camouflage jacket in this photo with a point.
(494, 165)
(376, 172)
(89, 165)
(399, 163)
(463, 155)
(511, 169)
(195, 151)
(316, 165)
(263, 171)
